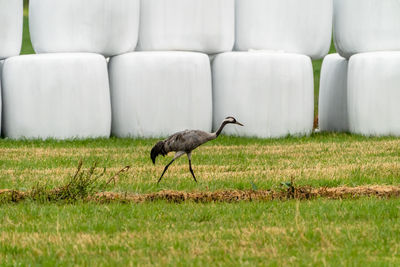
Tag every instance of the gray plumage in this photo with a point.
(185, 142)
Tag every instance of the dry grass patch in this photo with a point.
(300, 193)
(291, 192)
(223, 164)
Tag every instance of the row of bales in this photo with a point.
(132, 68)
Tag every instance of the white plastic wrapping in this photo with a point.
(294, 26)
(366, 26)
(333, 113)
(374, 93)
(11, 19)
(60, 96)
(107, 27)
(206, 26)
(272, 94)
(155, 94)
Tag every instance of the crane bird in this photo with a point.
(185, 142)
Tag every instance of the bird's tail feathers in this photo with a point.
(158, 149)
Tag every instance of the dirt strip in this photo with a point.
(300, 193)
(255, 195)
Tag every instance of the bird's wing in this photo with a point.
(186, 140)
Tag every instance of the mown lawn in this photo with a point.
(350, 232)
(227, 163)
(364, 232)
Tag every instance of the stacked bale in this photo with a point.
(374, 93)
(272, 91)
(107, 27)
(362, 29)
(168, 85)
(366, 26)
(332, 108)
(205, 26)
(159, 91)
(292, 26)
(11, 21)
(67, 95)
(56, 95)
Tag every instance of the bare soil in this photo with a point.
(300, 193)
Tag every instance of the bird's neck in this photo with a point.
(218, 132)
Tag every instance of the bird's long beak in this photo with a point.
(238, 123)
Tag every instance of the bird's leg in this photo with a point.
(190, 166)
(191, 170)
(177, 155)
(165, 169)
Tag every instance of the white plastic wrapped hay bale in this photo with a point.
(108, 27)
(155, 94)
(366, 26)
(272, 94)
(62, 96)
(374, 93)
(206, 26)
(11, 19)
(294, 26)
(333, 113)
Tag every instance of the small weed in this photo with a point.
(254, 186)
(81, 185)
(289, 187)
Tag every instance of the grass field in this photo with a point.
(350, 232)
(227, 163)
(323, 232)
(365, 232)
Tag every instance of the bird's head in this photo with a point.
(232, 120)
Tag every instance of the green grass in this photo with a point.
(320, 232)
(226, 163)
(317, 232)
(26, 40)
